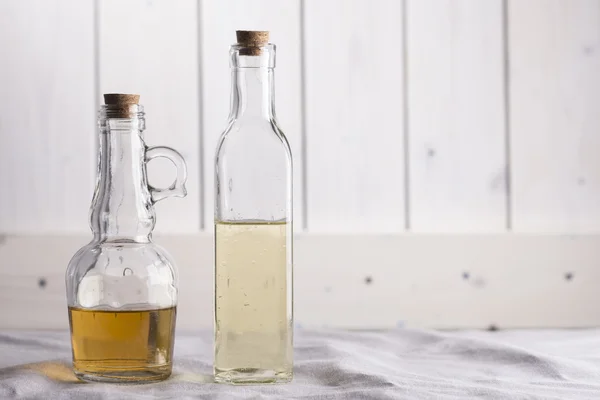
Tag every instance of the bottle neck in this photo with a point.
(122, 209)
(252, 93)
(252, 82)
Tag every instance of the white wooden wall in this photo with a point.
(405, 117)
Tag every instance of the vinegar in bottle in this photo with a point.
(253, 227)
(122, 287)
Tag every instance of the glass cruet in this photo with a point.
(253, 226)
(122, 287)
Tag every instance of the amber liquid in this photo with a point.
(122, 346)
(253, 307)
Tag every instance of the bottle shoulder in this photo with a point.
(123, 275)
(109, 255)
(264, 135)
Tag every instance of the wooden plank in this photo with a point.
(47, 122)
(433, 281)
(151, 48)
(555, 123)
(458, 179)
(220, 20)
(354, 115)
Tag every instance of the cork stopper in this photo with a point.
(121, 103)
(252, 41)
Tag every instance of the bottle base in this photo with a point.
(124, 374)
(251, 376)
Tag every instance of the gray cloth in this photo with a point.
(398, 364)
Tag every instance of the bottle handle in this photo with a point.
(177, 188)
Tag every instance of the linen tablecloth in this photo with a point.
(397, 364)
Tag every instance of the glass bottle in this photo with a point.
(122, 287)
(253, 226)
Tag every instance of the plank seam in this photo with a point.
(201, 163)
(507, 136)
(96, 50)
(304, 156)
(405, 121)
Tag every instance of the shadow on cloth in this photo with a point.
(56, 370)
(62, 372)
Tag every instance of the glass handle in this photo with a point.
(177, 188)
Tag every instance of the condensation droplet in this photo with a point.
(127, 272)
(230, 184)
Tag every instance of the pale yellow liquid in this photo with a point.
(122, 346)
(253, 303)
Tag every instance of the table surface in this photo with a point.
(396, 364)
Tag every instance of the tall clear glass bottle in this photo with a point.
(253, 226)
(122, 287)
